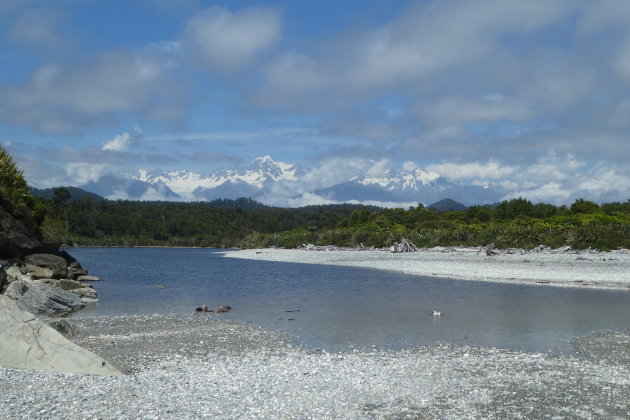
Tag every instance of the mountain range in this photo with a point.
(283, 184)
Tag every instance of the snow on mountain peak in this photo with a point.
(267, 180)
(268, 167)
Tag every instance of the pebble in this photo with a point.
(244, 372)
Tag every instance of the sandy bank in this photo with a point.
(609, 270)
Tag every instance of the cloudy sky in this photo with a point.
(533, 95)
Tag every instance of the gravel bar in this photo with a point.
(189, 367)
(565, 268)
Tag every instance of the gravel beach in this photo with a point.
(198, 366)
(566, 268)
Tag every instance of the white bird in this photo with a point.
(436, 313)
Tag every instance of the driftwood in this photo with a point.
(405, 245)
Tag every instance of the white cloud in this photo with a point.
(310, 199)
(410, 166)
(473, 170)
(424, 41)
(119, 143)
(334, 171)
(379, 168)
(453, 111)
(59, 98)
(552, 167)
(224, 40)
(122, 142)
(82, 173)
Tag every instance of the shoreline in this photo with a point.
(193, 366)
(559, 268)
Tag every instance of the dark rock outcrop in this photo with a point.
(58, 265)
(75, 271)
(17, 236)
(41, 298)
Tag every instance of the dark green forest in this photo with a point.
(245, 223)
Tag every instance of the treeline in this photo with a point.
(218, 224)
(511, 224)
(247, 224)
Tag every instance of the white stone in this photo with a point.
(28, 343)
(13, 273)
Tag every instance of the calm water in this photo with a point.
(338, 308)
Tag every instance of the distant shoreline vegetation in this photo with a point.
(85, 220)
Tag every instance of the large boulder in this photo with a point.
(39, 272)
(41, 298)
(75, 270)
(57, 264)
(28, 343)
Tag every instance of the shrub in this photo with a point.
(14, 192)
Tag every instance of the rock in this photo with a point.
(67, 284)
(57, 264)
(64, 327)
(18, 235)
(541, 248)
(13, 272)
(88, 278)
(42, 298)
(3, 279)
(28, 343)
(85, 292)
(75, 264)
(39, 272)
(491, 250)
(75, 272)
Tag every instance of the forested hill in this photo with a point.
(218, 223)
(246, 223)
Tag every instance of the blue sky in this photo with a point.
(533, 95)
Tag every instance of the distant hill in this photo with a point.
(447, 205)
(75, 193)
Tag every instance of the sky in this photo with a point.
(532, 95)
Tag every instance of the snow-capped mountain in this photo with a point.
(410, 186)
(248, 182)
(279, 183)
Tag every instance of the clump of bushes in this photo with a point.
(14, 193)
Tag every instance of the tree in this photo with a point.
(514, 208)
(584, 206)
(14, 190)
(61, 196)
(12, 183)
